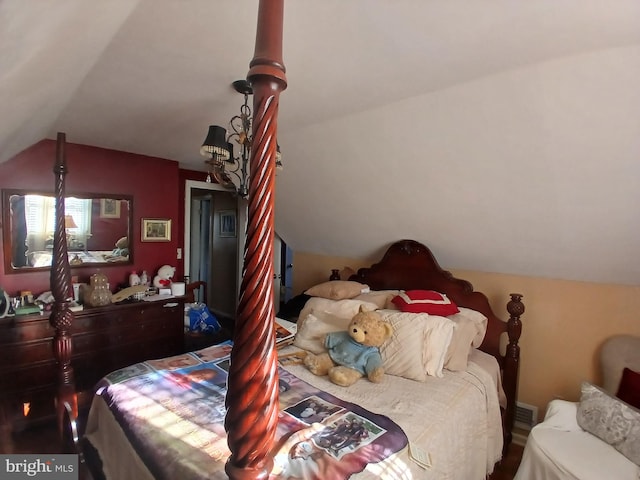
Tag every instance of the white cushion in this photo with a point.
(418, 346)
(346, 308)
(558, 449)
(475, 317)
(314, 327)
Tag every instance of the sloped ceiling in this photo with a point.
(505, 135)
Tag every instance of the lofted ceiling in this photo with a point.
(503, 134)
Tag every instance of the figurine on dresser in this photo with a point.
(164, 277)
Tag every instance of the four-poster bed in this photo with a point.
(253, 382)
(462, 424)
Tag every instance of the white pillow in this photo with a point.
(611, 420)
(461, 345)
(342, 308)
(418, 346)
(382, 298)
(478, 319)
(315, 326)
(337, 289)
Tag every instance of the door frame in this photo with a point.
(191, 185)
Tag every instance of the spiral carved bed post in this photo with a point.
(252, 391)
(515, 307)
(61, 317)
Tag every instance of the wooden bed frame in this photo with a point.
(410, 265)
(252, 399)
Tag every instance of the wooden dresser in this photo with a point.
(104, 339)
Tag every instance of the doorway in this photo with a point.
(214, 228)
(214, 243)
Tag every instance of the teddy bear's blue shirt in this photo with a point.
(344, 350)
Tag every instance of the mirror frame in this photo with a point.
(9, 268)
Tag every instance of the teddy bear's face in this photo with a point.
(368, 328)
(166, 272)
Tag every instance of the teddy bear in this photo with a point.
(122, 247)
(164, 276)
(120, 252)
(353, 353)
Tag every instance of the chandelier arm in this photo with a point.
(243, 184)
(237, 125)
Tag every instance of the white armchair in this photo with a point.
(559, 449)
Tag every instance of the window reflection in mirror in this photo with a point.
(97, 230)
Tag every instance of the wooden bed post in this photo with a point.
(252, 393)
(61, 317)
(515, 307)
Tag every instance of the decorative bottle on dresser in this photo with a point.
(134, 279)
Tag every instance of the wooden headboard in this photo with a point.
(410, 265)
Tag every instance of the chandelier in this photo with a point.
(218, 147)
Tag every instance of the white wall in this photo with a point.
(504, 173)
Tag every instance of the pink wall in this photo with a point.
(153, 182)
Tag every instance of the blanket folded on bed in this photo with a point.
(172, 412)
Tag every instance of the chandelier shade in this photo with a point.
(216, 143)
(230, 150)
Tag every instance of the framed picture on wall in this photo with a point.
(227, 223)
(156, 230)
(109, 208)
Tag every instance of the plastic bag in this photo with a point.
(202, 320)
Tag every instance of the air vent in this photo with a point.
(526, 416)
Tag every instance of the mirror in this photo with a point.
(99, 228)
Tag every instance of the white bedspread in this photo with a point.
(455, 420)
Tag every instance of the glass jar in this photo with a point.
(99, 293)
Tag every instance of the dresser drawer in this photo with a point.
(95, 321)
(38, 376)
(138, 334)
(91, 320)
(18, 330)
(15, 355)
(104, 339)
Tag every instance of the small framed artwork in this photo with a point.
(227, 223)
(156, 230)
(109, 208)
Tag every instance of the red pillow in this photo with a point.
(629, 389)
(425, 301)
